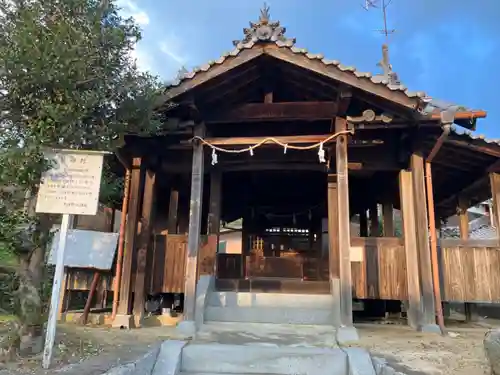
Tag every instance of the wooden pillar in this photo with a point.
(463, 218)
(422, 230)
(195, 212)
(363, 224)
(374, 221)
(470, 309)
(144, 248)
(344, 237)
(495, 195)
(173, 209)
(411, 249)
(124, 304)
(333, 227)
(215, 203)
(387, 213)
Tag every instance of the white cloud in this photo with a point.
(171, 46)
(130, 9)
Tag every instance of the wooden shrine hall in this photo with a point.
(336, 175)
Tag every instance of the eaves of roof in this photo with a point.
(290, 44)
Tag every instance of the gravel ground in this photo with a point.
(92, 350)
(459, 353)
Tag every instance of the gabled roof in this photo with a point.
(267, 33)
(264, 34)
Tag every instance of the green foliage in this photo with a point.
(66, 81)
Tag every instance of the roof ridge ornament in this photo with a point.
(391, 76)
(264, 30)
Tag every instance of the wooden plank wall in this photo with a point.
(169, 262)
(470, 270)
(168, 266)
(380, 270)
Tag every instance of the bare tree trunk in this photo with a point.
(30, 304)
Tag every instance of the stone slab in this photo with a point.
(347, 334)
(142, 366)
(168, 361)
(246, 299)
(262, 359)
(277, 315)
(359, 362)
(123, 321)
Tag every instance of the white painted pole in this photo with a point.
(66, 224)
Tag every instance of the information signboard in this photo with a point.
(72, 184)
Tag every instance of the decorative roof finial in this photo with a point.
(264, 30)
(265, 16)
(386, 66)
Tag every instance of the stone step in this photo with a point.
(248, 299)
(278, 334)
(217, 358)
(216, 373)
(276, 315)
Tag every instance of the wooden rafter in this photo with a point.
(277, 112)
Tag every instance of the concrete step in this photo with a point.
(216, 373)
(245, 299)
(274, 315)
(278, 334)
(216, 358)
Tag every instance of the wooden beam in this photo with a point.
(276, 112)
(344, 97)
(493, 150)
(388, 214)
(344, 237)
(173, 210)
(333, 227)
(346, 77)
(463, 205)
(215, 71)
(293, 139)
(422, 231)
(363, 224)
(144, 247)
(495, 194)
(124, 305)
(195, 212)
(215, 202)
(411, 249)
(374, 222)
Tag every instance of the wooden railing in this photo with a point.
(294, 266)
(470, 270)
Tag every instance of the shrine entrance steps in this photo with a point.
(271, 308)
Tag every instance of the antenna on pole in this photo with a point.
(384, 63)
(382, 5)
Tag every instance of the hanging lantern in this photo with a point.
(251, 152)
(284, 149)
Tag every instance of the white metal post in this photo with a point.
(66, 224)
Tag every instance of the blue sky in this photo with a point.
(448, 48)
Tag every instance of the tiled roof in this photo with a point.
(267, 31)
(479, 139)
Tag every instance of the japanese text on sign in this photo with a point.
(72, 184)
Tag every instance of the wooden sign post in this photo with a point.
(70, 187)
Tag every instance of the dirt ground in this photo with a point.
(459, 353)
(92, 351)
